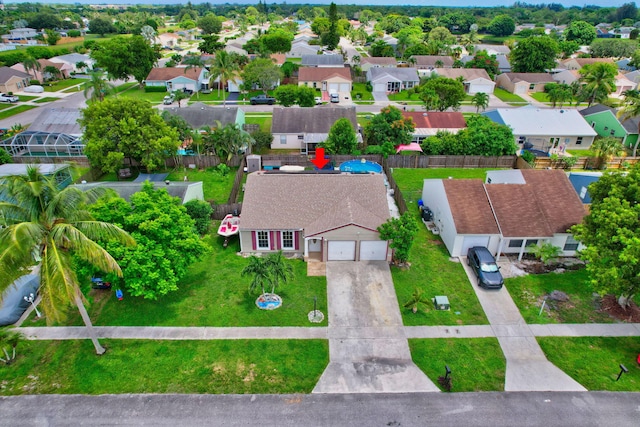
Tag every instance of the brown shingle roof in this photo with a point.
(517, 210)
(465, 73)
(168, 73)
(378, 60)
(469, 206)
(310, 120)
(318, 74)
(430, 60)
(530, 77)
(315, 203)
(440, 120)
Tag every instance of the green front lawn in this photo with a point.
(61, 84)
(146, 366)
(215, 186)
(361, 89)
(8, 112)
(476, 364)
(528, 292)
(45, 99)
(153, 97)
(24, 98)
(594, 361)
(505, 96)
(404, 96)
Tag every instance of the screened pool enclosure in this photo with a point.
(43, 144)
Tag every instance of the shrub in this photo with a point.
(74, 33)
(528, 157)
(369, 87)
(155, 89)
(34, 82)
(200, 211)
(569, 162)
(262, 140)
(546, 252)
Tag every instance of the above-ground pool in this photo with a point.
(360, 166)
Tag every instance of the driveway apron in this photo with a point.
(368, 349)
(527, 366)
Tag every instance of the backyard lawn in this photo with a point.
(146, 366)
(476, 364)
(509, 97)
(216, 187)
(262, 119)
(594, 361)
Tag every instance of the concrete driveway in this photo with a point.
(380, 97)
(368, 349)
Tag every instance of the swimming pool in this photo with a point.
(360, 166)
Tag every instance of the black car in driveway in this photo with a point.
(484, 266)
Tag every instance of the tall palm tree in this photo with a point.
(97, 87)
(630, 109)
(259, 268)
(223, 69)
(598, 81)
(480, 100)
(279, 270)
(560, 93)
(41, 222)
(606, 148)
(31, 63)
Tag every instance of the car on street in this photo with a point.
(485, 267)
(334, 98)
(262, 99)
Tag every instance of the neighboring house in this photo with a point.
(199, 115)
(566, 76)
(393, 79)
(493, 49)
(524, 82)
(474, 79)
(304, 128)
(605, 122)
(61, 172)
(369, 62)
(322, 217)
(578, 63)
(581, 181)
(603, 33)
(514, 210)
(431, 62)
(331, 61)
(624, 32)
(167, 40)
(391, 41)
(20, 35)
(64, 70)
(504, 66)
(545, 129)
(178, 78)
(623, 84)
(623, 65)
(333, 80)
(73, 59)
(633, 76)
(12, 80)
(429, 123)
(184, 190)
(58, 120)
(299, 48)
(236, 48)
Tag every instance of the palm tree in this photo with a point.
(53, 226)
(417, 300)
(259, 268)
(480, 100)
(606, 148)
(97, 86)
(630, 109)
(598, 81)
(30, 63)
(223, 69)
(52, 72)
(12, 339)
(279, 270)
(560, 93)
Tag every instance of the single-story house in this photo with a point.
(12, 80)
(18, 35)
(429, 123)
(578, 63)
(332, 80)
(623, 84)
(475, 79)
(184, 190)
(299, 48)
(393, 79)
(304, 128)
(178, 78)
(566, 76)
(61, 172)
(169, 40)
(545, 129)
(323, 217)
(236, 47)
(73, 59)
(199, 115)
(493, 49)
(504, 66)
(431, 62)
(42, 75)
(524, 82)
(633, 76)
(391, 41)
(512, 211)
(369, 62)
(604, 120)
(330, 61)
(581, 181)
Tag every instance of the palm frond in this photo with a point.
(104, 231)
(58, 282)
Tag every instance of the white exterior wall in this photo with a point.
(194, 192)
(292, 141)
(434, 197)
(481, 87)
(494, 243)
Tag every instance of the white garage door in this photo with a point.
(471, 241)
(345, 87)
(373, 250)
(334, 87)
(380, 87)
(473, 89)
(342, 250)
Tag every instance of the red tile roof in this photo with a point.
(168, 73)
(439, 120)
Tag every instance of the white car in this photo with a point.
(334, 98)
(33, 89)
(318, 100)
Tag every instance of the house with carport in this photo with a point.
(524, 82)
(508, 214)
(393, 79)
(319, 217)
(474, 79)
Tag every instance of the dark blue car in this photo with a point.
(484, 266)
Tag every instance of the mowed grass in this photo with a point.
(147, 366)
(262, 119)
(476, 364)
(62, 84)
(45, 99)
(361, 89)
(216, 187)
(15, 110)
(509, 97)
(528, 292)
(594, 361)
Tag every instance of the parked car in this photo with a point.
(334, 98)
(8, 98)
(318, 100)
(484, 266)
(168, 100)
(262, 99)
(34, 89)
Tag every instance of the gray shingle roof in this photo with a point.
(199, 115)
(6, 73)
(403, 74)
(310, 120)
(326, 60)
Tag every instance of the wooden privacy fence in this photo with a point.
(397, 194)
(220, 211)
(585, 163)
(237, 182)
(398, 161)
(201, 161)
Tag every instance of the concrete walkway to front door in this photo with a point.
(368, 349)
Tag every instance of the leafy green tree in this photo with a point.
(277, 41)
(262, 140)
(53, 37)
(148, 33)
(5, 157)
(480, 100)
(320, 25)
(332, 37)
(606, 148)
(225, 141)
(97, 87)
(501, 25)
(279, 270)
(535, 54)
(167, 241)
(101, 26)
(287, 95)
(613, 48)
(306, 96)
(46, 20)
(580, 31)
(485, 61)
(258, 267)
(611, 234)
(39, 220)
(288, 68)
(262, 72)
(185, 132)
(123, 56)
(449, 93)
(441, 35)
(568, 48)
(342, 138)
(401, 232)
(381, 48)
(210, 23)
(389, 127)
(119, 128)
(200, 212)
(598, 81)
(210, 44)
(443, 143)
(483, 137)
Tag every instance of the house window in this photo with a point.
(287, 240)
(531, 242)
(579, 140)
(522, 139)
(593, 124)
(315, 85)
(283, 139)
(263, 240)
(532, 86)
(571, 244)
(300, 136)
(613, 132)
(515, 243)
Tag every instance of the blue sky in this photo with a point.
(451, 3)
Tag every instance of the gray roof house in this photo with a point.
(304, 128)
(295, 213)
(299, 48)
(73, 59)
(200, 115)
(369, 62)
(184, 190)
(430, 62)
(393, 79)
(322, 61)
(493, 49)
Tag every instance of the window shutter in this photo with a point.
(253, 240)
(278, 242)
(272, 236)
(296, 237)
